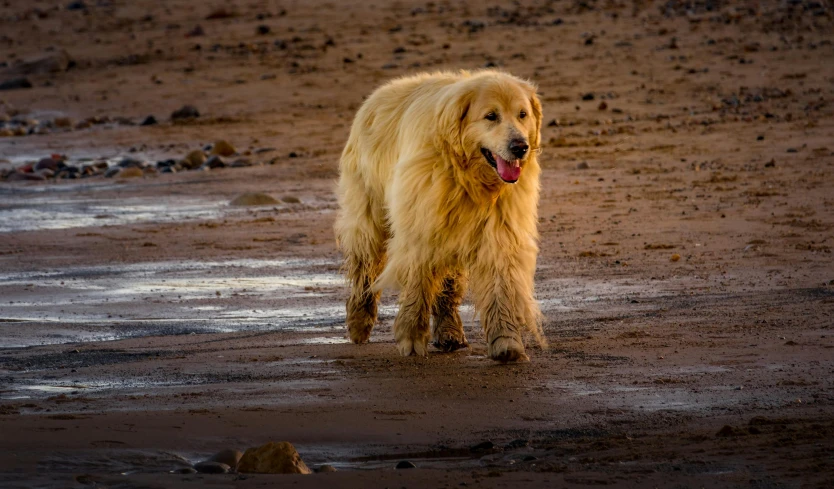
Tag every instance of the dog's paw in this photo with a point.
(412, 346)
(506, 349)
(360, 331)
(450, 340)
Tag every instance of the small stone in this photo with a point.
(273, 458)
(229, 457)
(220, 13)
(62, 122)
(149, 121)
(196, 32)
(194, 159)
(583, 165)
(46, 163)
(405, 464)
(602, 105)
(588, 96)
(76, 6)
(771, 164)
(112, 172)
(184, 470)
(240, 163)
(214, 162)
(325, 468)
(253, 198)
(185, 112)
(223, 148)
(675, 257)
(290, 199)
(263, 30)
(15, 84)
(517, 443)
(212, 468)
(130, 172)
(131, 163)
(83, 125)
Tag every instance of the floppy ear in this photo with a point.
(537, 113)
(451, 122)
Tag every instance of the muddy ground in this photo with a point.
(687, 220)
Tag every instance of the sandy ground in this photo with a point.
(146, 324)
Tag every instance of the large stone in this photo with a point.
(273, 458)
(253, 198)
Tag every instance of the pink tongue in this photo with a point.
(509, 171)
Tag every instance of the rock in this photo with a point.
(220, 13)
(212, 468)
(6, 133)
(583, 165)
(76, 6)
(263, 30)
(483, 446)
(46, 163)
(83, 125)
(223, 148)
(214, 162)
(149, 121)
(240, 163)
(405, 464)
(111, 172)
(130, 172)
(186, 112)
(194, 159)
(197, 31)
(588, 96)
(517, 443)
(602, 105)
(131, 163)
(325, 468)
(273, 458)
(229, 457)
(675, 257)
(15, 84)
(62, 122)
(54, 62)
(184, 470)
(290, 199)
(253, 198)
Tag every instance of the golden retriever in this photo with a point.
(439, 186)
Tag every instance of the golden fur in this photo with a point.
(423, 209)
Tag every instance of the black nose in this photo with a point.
(519, 147)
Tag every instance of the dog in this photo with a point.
(439, 189)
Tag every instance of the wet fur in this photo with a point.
(421, 210)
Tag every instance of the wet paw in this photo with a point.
(360, 331)
(450, 340)
(506, 349)
(412, 346)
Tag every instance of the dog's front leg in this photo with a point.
(411, 327)
(502, 284)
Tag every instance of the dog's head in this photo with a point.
(495, 122)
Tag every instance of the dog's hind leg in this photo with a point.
(448, 328)
(361, 234)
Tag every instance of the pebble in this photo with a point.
(675, 257)
(15, 84)
(405, 464)
(131, 163)
(149, 121)
(253, 198)
(325, 468)
(46, 163)
(483, 446)
(194, 159)
(583, 165)
(517, 443)
(214, 162)
(223, 148)
(263, 30)
(273, 458)
(185, 112)
(196, 32)
(76, 6)
(229, 457)
(588, 96)
(130, 172)
(212, 468)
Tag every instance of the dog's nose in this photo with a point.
(519, 147)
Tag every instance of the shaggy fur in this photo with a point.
(425, 206)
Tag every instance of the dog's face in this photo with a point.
(500, 128)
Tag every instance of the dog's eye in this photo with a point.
(522, 114)
(492, 116)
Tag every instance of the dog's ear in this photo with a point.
(451, 122)
(535, 140)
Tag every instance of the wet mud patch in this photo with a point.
(75, 358)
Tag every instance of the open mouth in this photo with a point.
(508, 171)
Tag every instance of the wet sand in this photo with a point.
(146, 324)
